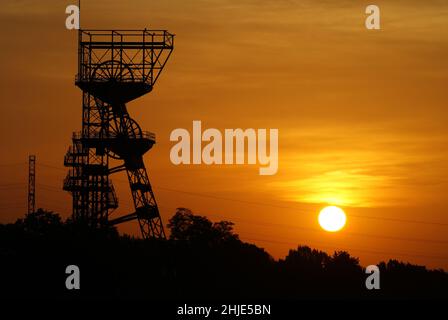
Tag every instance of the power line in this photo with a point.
(12, 187)
(301, 210)
(289, 242)
(52, 188)
(14, 203)
(12, 207)
(56, 200)
(49, 187)
(400, 220)
(345, 232)
(12, 184)
(238, 221)
(358, 250)
(13, 164)
(363, 250)
(45, 165)
(350, 248)
(52, 204)
(297, 210)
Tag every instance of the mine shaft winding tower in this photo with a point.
(114, 68)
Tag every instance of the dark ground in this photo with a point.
(201, 260)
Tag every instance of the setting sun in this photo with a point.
(332, 219)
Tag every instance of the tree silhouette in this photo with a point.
(342, 261)
(202, 259)
(186, 226)
(40, 222)
(305, 259)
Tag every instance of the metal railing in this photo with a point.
(136, 53)
(146, 135)
(100, 37)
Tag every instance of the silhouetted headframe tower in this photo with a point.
(114, 68)
(31, 184)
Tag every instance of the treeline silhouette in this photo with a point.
(200, 260)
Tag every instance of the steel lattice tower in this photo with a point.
(114, 68)
(31, 184)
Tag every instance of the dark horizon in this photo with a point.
(200, 260)
(360, 113)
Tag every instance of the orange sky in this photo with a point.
(361, 115)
